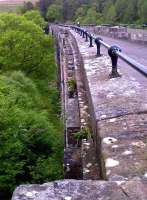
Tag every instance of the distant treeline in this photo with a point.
(95, 11)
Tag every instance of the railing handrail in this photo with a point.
(136, 65)
(114, 52)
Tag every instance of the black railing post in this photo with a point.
(80, 32)
(91, 39)
(114, 58)
(98, 45)
(86, 33)
(83, 34)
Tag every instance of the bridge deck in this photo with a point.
(120, 111)
(134, 50)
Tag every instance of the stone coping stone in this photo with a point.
(110, 97)
(72, 111)
(124, 146)
(83, 190)
(89, 161)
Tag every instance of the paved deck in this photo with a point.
(134, 50)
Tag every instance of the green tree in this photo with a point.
(81, 12)
(30, 130)
(142, 11)
(119, 11)
(110, 14)
(29, 143)
(43, 6)
(27, 6)
(54, 13)
(24, 44)
(35, 17)
(131, 14)
(92, 17)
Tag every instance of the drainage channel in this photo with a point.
(80, 160)
(90, 163)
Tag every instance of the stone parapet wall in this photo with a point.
(119, 108)
(134, 35)
(139, 35)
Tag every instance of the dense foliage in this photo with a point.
(30, 130)
(96, 11)
(35, 16)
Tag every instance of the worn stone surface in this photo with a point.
(124, 146)
(72, 163)
(73, 119)
(120, 107)
(113, 97)
(83, 190)
(90, 163)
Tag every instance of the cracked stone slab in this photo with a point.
(83, 190)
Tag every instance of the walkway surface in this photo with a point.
(134, 50)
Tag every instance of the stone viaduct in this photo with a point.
(105, 117)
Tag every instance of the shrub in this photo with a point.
(30, 145)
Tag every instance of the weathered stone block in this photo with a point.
(124, 146)
(83, 190)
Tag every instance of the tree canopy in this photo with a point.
(54, 13)
(96, 11)
(31, 143)
(35, 16)
(21, 43)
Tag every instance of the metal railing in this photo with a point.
(113, 51)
